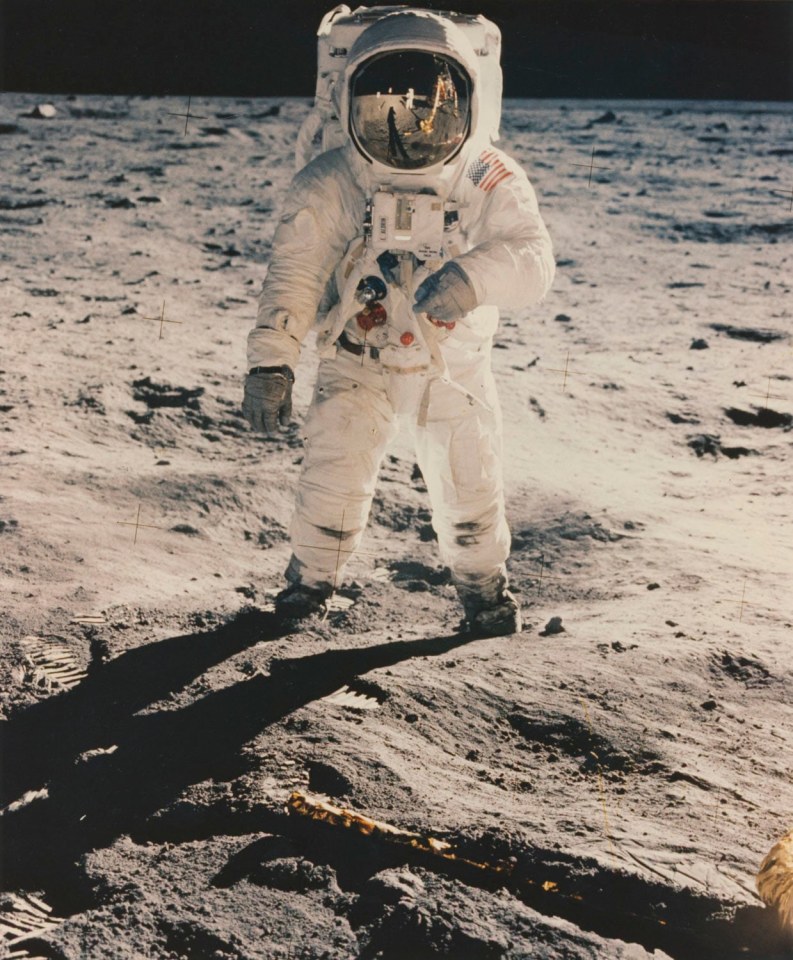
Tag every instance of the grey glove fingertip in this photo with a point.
(424, 305)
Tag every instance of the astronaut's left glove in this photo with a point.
(446, 294)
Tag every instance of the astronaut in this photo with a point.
(401, 246)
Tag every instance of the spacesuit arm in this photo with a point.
(315, 227)
(511, 264)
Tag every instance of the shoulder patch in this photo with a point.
(487, 170)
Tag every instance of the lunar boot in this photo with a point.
(299, 601)
(490, 609)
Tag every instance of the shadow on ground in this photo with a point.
(94, 799)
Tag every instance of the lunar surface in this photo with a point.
(609, 781)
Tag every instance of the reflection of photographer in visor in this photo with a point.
(401, 246)
(395, 147)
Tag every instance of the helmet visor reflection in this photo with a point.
(410, 109)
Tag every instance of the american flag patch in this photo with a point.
(487, 170)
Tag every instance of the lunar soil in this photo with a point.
(609, 780)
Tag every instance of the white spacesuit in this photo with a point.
(402, 244)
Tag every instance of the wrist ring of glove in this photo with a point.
(284, 370)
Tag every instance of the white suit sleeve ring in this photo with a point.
(447, 294)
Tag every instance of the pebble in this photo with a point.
(43, 111)
(554, 625)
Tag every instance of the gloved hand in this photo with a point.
(268, 398)
(446, 294)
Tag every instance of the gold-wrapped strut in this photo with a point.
(315, 809)
(775, 880)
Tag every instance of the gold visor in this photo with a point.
(410, 109)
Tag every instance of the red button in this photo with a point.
(407, 338)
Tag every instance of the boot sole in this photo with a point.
(502, 628)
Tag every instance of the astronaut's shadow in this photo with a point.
(41, 738)
(93, 801)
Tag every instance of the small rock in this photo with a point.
(699, 345)
(608, 117)
(187, 529)
(100, 651)
(294, 874)
(653, 586)
(43, 111)
(705, 443)
(554, 625)
(562, 318)
(391, 886)
(680, 418)
(709, 705)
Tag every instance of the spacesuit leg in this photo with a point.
(348, 427)
(459, 453)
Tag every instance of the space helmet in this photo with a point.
(413, 102)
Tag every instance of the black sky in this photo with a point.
(552, 48)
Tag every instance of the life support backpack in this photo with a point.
(338, 31)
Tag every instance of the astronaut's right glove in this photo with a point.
(268, 398)
(446, 294)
